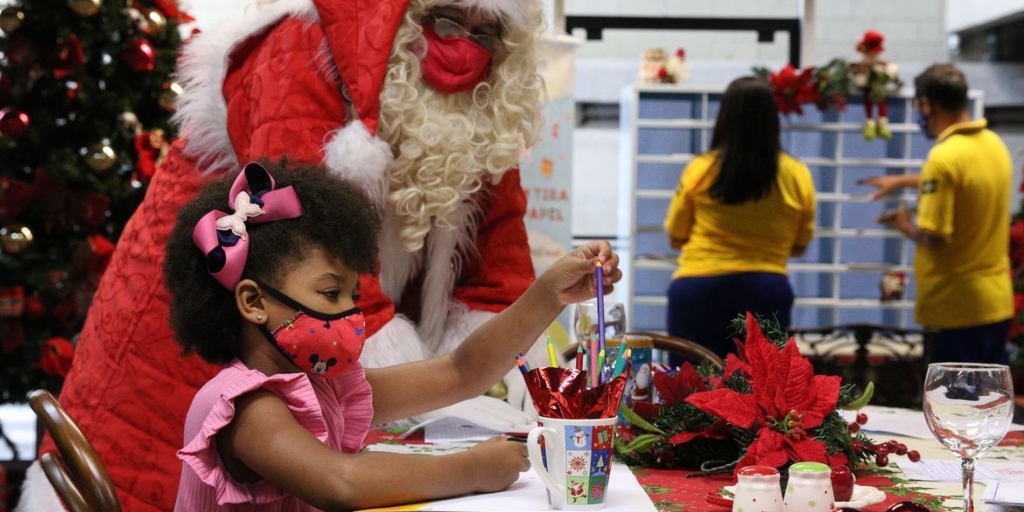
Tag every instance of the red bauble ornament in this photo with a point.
(35, 307)
(69, 57)
(13, 122)
(140, 55)
(55, 356)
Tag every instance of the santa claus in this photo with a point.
(426, 104)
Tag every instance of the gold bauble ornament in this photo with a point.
(168, 98)
(11, 18)
(101, 157)
(15, 238)
(155, 22)
(85, 8)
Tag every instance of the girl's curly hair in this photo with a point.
(337, 218)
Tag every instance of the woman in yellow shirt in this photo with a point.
(739, 212)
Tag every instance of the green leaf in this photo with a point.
(635, 419)
(865, 397)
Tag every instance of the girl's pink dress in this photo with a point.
(337, 411)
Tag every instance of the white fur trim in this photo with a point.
(202, 110)
(396, 343)
(397, 265)
(354, 154)
(517, 12)
(445, 250)
(37, 495)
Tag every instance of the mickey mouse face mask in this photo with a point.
(319, 344)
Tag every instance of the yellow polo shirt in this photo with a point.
(756, 236)
(965, 197)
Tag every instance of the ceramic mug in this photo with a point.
(573, 458)
(758, 490)
(809, 488)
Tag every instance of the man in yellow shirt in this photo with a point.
(961, 263)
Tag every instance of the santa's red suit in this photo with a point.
(254, 89)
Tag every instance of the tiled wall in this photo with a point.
(915, 29)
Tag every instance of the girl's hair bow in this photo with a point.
(223, 237)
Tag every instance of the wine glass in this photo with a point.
(968, 407)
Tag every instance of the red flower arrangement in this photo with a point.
(792, 89)
(766, 408)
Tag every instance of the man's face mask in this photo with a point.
(320, 344)
(922, 122)
(453, 64)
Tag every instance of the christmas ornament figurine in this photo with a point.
(678, 68)
(875, 78)
(656, 68)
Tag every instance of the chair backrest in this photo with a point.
(690, 350)
(76, 472)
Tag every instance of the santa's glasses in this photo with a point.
(450, 29)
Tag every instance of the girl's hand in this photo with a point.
(572, 278)
(497, 463)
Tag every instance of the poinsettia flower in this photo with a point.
(675, 389)
(791, 89)
(786, 402)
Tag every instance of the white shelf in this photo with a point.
(839, 153)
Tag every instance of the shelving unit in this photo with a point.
(837, 280)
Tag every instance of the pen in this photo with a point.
(551, 352)
(600, 305)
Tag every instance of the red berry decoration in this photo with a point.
(853, 428)
(881, 449)
(862, 418)
(914, 456)
(882, 460)
(901, 449)
(858, 447)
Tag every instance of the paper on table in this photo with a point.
(1005, 493)
(902, 422)
(453, 429)
(529, 494)
(949, 471)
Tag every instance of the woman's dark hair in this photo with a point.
(337, 218)
(747, 139)
(944, 85)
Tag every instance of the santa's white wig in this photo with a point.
(447, 145)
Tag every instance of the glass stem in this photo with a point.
(967, 465)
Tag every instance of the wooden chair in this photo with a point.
(76, 472)
(690, 350)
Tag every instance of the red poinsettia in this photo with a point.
(674, 390)
(786, 402)
(792, 89)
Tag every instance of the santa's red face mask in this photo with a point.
(453, 64)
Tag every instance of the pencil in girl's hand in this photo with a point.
(551, 353)
(579, 357)
(620, 359)
(600, 305)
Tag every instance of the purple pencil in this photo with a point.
(600, 306)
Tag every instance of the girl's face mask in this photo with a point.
(321, 344)
(453, 64)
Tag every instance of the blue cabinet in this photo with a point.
(837, 280)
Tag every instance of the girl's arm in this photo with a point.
(489, 352)
(270, 443)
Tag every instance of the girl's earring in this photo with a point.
(259, 318)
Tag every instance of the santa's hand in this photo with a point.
(572, 278)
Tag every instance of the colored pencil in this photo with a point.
(600, 305)
(551, 353)
(579, 357)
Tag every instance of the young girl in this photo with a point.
(262, 271)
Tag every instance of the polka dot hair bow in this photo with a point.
(223, 237)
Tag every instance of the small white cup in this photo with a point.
(809, 488)
(757, 490)
(573, 458)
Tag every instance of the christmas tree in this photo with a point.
(86, 94)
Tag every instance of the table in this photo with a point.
(676, 491)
